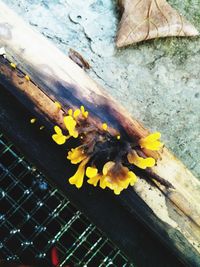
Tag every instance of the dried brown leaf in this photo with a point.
(148, 19)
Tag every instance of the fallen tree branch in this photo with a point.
(43, 75)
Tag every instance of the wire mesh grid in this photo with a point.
(35, 217)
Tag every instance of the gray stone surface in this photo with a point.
(157, 81)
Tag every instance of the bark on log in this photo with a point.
(172, 214)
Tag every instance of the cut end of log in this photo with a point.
(145, 20)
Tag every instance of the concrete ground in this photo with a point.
(157, 81)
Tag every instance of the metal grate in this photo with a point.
(35, 217)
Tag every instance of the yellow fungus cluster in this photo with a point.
(150, 142)
(114, 175)
(71, 122)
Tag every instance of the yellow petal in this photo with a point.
(104, 126)
(140, 162)
(77, 113)
(148, 162)
(70, 112)
(70, 124)
(84, 113)
(57, 129)
(13, 65)
(82, 109)
(117, 185)
(94, 180)
(124, 183)
(132, 177)
(152, 137)
(33, 120)
(118, 137)
(151, 142)
(91, 172)
(103, 182)
(76, 155)
(74, 134)
(77, 178)
(58, 105)
(59, 139)
(156, 145)
(107, 167)
(118, 190)
(27, 77)
(121, 185)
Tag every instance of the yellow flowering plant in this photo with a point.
(104, 160)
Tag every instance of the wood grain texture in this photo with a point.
(148, 19)
(172, 214)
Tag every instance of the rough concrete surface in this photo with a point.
(157, 81)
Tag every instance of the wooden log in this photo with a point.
(172, 214)
(132, 237)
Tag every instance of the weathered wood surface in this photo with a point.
(172, 214)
